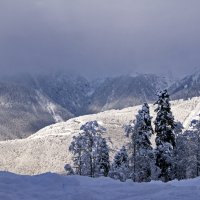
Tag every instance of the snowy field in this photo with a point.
(56, 187)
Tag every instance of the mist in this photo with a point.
(98, 38)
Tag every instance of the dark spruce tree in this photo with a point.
(120, 166)
(141, 131)
(188, 152)
(103, 161)
(165, 139)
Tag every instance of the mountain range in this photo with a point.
(31, 102)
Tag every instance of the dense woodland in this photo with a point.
(176, 154)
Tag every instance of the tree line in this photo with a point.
(176, 154)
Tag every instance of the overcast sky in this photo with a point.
(100, 37)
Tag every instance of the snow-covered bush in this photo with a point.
(68, 169)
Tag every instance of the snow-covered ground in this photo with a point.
(57, 187)
(47, 150)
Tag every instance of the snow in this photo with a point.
(51, 186)
(51, 108)
(47, 150)
(193, 115)
(46, 104)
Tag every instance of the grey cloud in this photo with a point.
(100, 37)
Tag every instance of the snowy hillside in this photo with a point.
(47, 150)
(187, 87)
(52, 186)
(25, 110)
(125, 91)
(29, 103)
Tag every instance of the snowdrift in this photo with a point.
(53, 186)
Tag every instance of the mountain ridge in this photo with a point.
(31, 102)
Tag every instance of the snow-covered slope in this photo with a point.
(187, 87)
(125, 91)
(47, 150)
(53, 186)
(25, 110)
(29, 103)
(69, 91)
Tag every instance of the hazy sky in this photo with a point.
(100, 37)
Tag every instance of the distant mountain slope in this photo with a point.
(28, 103)
(47, 150)
(24, 110)
(125, 91)
(69, 91)
(187, 87)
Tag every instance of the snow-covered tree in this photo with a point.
(68, 169)
(165, 139)
(179, 152)
(141, 131)
(188, 152)
(120, 166)
(77, 147)
(196, 128)
(90, 150)
(103, 160)
(185, 157)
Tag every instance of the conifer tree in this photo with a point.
(78, 150)
(120, 165)
(188, 152)
(165, 139)
(141, 131)
(103, 160)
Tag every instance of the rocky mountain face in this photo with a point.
(125, 91)
(29, 103)
(186, 88)
(25, 110)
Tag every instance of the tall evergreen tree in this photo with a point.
(165, 139)
(141, 131)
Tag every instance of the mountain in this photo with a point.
(125, 91)
(31, 102)
(47, 150)
(27, 106)
(69, 91)
(187, 87)
(25, 110)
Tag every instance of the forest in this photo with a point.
(175, 155)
